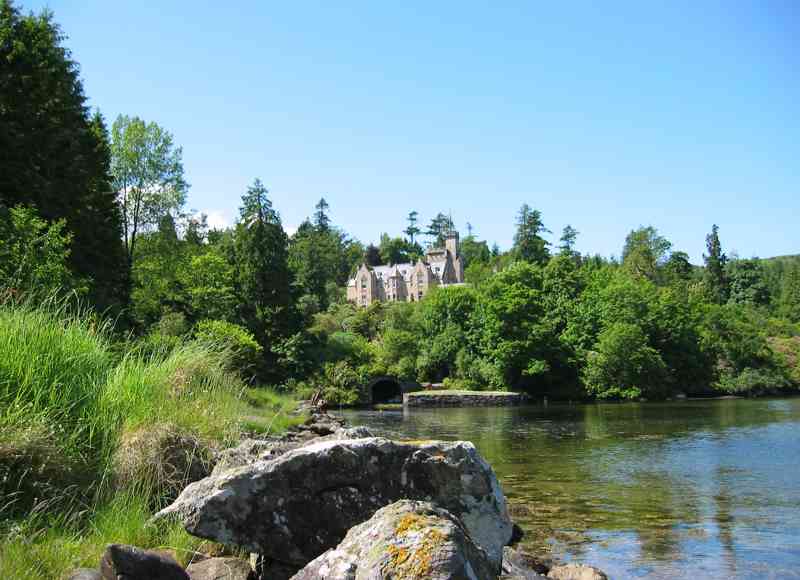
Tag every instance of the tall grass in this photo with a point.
(69, 403)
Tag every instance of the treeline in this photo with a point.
(102, 215)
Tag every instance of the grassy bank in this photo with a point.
(95, 437)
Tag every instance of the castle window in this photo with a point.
(363, 282)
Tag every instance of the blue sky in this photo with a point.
(603, 115)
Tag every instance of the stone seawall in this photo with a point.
(463, 399)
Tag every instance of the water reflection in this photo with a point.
(707, 489)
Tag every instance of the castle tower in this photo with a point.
(451, 243)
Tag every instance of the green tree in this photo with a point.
(746, 282)
(394, 250)
(678, 269)
(55, 154)
(372, 256)
(509, 332)
(148, 175)
(529, 245)
(412, 231)
(789, 302)
(34, 254)
(160, 258)
(644, 252)
(568, 237)
(263, 279)
(474, 251)
(715, 261)
(437, 231)
(321, 220)
(622, 365)
(209, 282)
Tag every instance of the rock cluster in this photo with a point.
(302, 503)
(329, 502)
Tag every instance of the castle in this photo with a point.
(408, 282)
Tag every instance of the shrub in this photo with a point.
(753, 381)
(245, 352)
(623, 365)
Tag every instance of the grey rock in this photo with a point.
(122, 562)
(407, 539)
(576, 572)
(221, 569)
(85, 574)
(519, 566)
(251, 450)
(293, 508)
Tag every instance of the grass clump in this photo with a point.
(93, 440)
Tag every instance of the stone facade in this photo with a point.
(408, 282)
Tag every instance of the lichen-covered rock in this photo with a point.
(121, 562)
(519, 566)
(405, 540)
(221, 569)
(576, 572)
(293, 508)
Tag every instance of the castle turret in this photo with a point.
(451, 243)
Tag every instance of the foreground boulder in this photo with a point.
(221, 569)
(121, 562)
(251, 450)
(294, 508)
(407, 539)
(576, 572)
(520, 566)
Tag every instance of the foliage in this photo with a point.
(715, 260)
(529, 245)
(34, 254)
(245, 352)
(622, 365)
(55, 152)
(263, 278)
(437, 231)
(148, 175)
(645, 251)
(747, 284)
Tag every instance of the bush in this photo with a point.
(623, 365)
(245, 352)
(753, 381)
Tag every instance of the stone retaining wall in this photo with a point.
(462, 399)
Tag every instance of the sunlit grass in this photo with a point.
(68, 399)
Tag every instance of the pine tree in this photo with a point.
(568, 237)
(321, 219)
(438, 229)
(715, 280)
(55, 155)
(263, 279)
(529, 245)
(412, 230)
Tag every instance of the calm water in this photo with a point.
(695, 489)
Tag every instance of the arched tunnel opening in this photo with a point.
(386, 390)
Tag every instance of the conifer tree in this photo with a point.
(55, 155)
(412, 230)
(568, 237)
(321, 219)
(529, 245)
(262, 276)
(715, 280)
